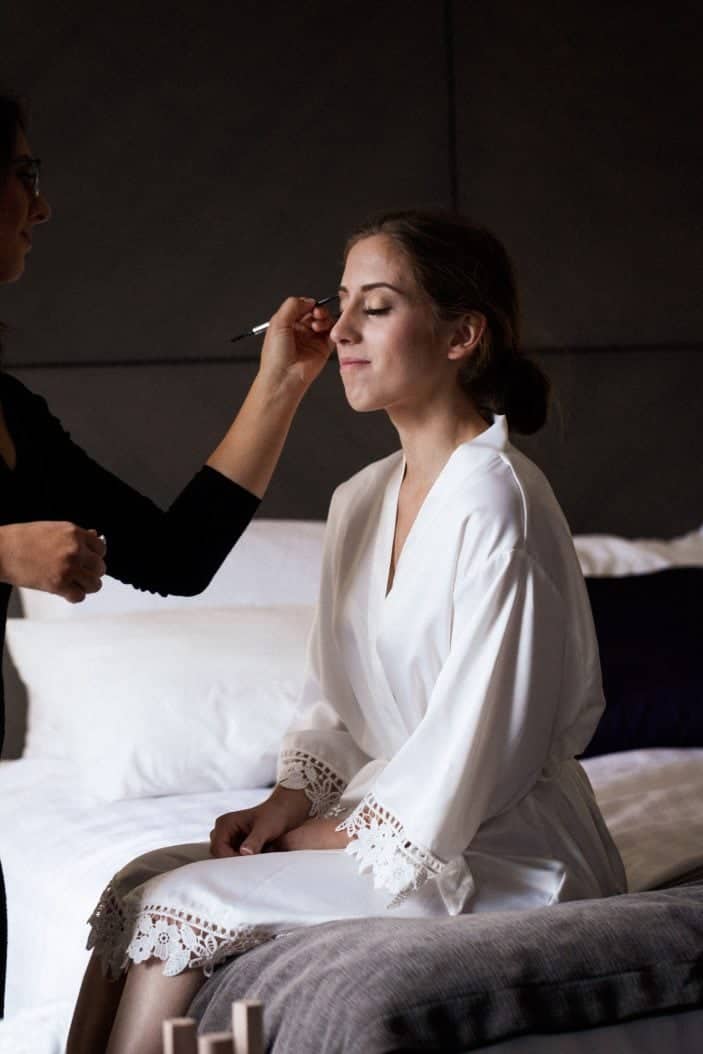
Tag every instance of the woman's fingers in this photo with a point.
(242, 833)
(87, 567)
(292, 310)
(261, 833)
(92, 564)
(321, 320)
(85, 580)
(295, 349)
(227, 834)
(96, 543)
(73, 593)
(251, 831)
(84, 568)
(55, 556)
(317, 321)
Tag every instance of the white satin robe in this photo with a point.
(439, 721)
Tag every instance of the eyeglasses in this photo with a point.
(29, 172)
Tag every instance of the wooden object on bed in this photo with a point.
(180, 1035)
(248, 1026)
(246, 1037)
(217, 1043)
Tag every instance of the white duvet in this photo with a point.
(58, 854)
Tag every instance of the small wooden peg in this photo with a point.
(216, 1043)
(180, 1036)
(248, 1026)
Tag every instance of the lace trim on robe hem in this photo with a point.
(299, 770)
(179, 939)
(380, 844)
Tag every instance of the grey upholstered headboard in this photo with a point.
(622, 449)
(218, 165)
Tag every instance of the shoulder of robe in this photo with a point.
(493, 504)
(510, 507)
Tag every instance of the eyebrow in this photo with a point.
(374, 285)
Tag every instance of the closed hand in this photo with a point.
(297, 343)
(55, 557)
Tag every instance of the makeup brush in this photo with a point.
(263, 326)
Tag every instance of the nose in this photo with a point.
(40, 211)
(343, 331)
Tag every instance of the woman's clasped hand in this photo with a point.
(53, 556)
(280, 824)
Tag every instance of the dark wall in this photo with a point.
(579, 139)
(205, 160)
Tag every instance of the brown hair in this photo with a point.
(464, 268)
(13, 120)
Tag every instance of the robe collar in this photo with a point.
(494, 440)
(463, 459)
(461, 462)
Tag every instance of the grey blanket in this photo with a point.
(375, 986)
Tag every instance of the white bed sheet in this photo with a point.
(652, 801)
(58, 853)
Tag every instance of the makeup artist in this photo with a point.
(57, 505)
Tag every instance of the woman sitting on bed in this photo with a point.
(453, 668)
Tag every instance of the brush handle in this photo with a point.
(256, 331)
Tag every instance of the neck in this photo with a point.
(429, 434)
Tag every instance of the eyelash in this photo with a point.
(376, 310)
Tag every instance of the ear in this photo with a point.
(466, 335)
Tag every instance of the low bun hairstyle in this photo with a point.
(464, 268)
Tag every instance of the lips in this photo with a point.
(27, 238)
(344, 363)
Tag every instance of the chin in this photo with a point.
(363, 405)
(361, 400)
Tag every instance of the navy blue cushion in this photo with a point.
(650, 635)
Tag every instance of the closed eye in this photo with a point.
(28, 177)
(376, 310)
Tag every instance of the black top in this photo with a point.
(174, 551)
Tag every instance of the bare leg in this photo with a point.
(95, 1010)
(148, 998)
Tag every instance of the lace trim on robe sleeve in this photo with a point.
(380, 844)
(299, 770)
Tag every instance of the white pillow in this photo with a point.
(163, 702)
(274, 562)
(606, 554)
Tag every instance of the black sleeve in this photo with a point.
(173, 551)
